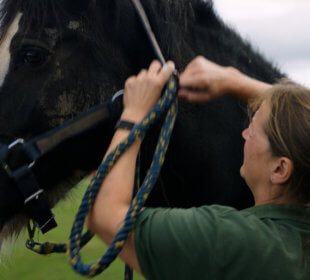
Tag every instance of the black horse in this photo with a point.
(59, 58)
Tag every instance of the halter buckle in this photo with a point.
(6, 167)
(33, 196)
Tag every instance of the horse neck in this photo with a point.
(184, 30)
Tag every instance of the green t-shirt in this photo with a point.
(218, 242)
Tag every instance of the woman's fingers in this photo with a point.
(166, 72)
(143, 71)
(169, 67)
(142, 91)
(155, 67)
(194, 97)
(130, 81)
(194, 79)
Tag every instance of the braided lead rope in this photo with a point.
(168, 100)
(51, 247)
(77, 240)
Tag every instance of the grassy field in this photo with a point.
(26, 265)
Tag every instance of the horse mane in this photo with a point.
(174, 22)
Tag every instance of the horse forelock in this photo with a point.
(37, 12)
(5, 55)
(31, 9)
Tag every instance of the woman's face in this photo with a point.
(257, 153)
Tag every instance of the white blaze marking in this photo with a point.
(5, 56)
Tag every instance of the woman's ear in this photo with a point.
(282, 171)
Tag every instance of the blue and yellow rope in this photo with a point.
(77, 240)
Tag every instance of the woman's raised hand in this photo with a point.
(203, 80)
(143, 91)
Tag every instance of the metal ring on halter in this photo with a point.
(16, 142)
(117, 94)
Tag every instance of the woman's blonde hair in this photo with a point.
(288, 131)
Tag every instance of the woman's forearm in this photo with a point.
(243, 87)
(115, 194)
(204, 81)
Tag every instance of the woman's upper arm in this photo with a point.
(128, 253)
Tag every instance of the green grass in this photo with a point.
(26, 265)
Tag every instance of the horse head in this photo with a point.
(55, 64)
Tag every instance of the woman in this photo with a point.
(268, 241)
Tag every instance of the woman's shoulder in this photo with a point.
(259, 222)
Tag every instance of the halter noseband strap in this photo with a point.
(34, 197)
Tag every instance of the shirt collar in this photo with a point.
(280, 211)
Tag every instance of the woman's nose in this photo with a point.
(245, 133)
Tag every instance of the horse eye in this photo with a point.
(34, 56)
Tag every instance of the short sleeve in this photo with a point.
(170, 243)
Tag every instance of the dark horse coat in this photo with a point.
(59, 58)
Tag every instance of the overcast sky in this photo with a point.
(279, 28)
